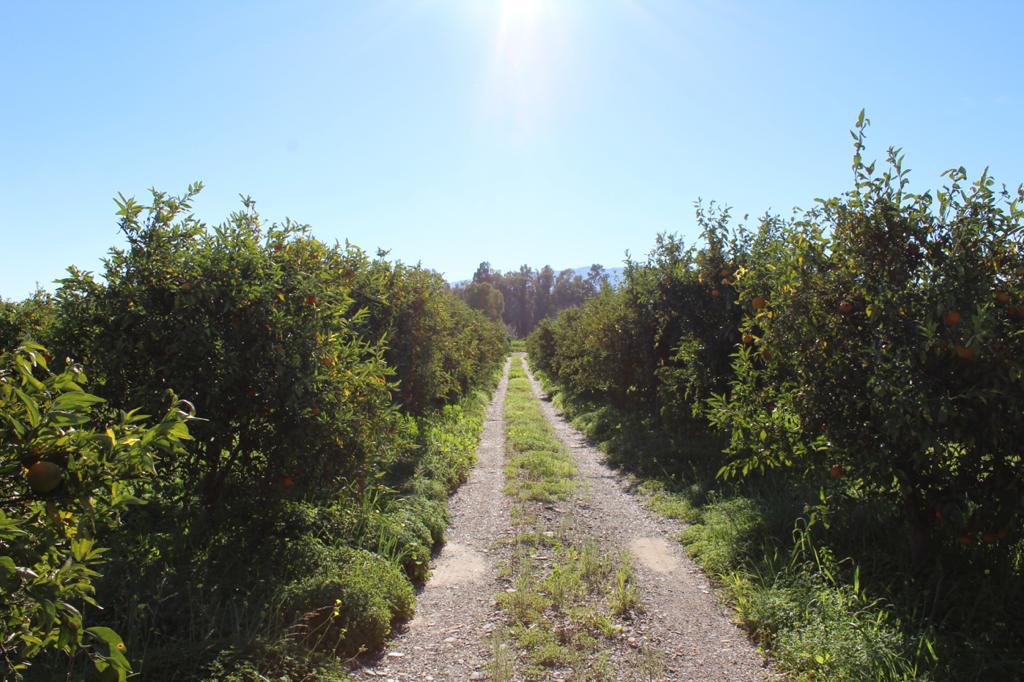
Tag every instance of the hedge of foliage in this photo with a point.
(333, 401)
(868, 353)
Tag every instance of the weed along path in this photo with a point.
(687, 633)
(445, 640)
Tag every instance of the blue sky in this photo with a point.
(455, 131)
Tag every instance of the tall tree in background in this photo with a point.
(483, 296)
(524, 297)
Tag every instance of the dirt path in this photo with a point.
(456, 611)
(456, 608)
(683, 619)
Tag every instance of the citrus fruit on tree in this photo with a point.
(44, 477)
(964, 352)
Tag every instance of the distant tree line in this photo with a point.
(522, 298)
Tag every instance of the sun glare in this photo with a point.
(529, 54)
(522, 10)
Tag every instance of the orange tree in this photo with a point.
(692, 314)
(440, 348)
(27, 320)
(256, 326)
(887, 349)
(660, 344)
(10, 329)
(309, 366)
(69, 470)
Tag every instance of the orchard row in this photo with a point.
(314, 426)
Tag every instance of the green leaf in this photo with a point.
(30, 406)
(114, 665)
(105, 634)
(18, 428)
(74, 399)
(80, 549)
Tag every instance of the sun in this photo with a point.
(528, 55)
(522, 12)
(522, 28)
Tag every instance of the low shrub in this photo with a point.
(349, 605)
(727, 532)
(281, 660)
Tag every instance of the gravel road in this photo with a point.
(456, 610)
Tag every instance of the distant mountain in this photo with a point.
(615, 275)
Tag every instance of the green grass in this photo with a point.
(671, 505)
(625, 597)
(566, 611)
(539, 468)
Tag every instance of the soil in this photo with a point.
(456, 611)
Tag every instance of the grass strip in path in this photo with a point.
(569, 600)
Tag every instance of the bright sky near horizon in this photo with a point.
(456, 131)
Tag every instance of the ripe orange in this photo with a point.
(1015, 311)
(966, 539)
(846, 308)
(758, 302)
(989, 538)
(186, 287)
(327, 362)
(716, 293)
(964, 352)
(44, 477)
(837, 471)
(1002, 297)
(724, 272)
(748, 339)
(287, 481)
(310, 300)
(952, 318)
